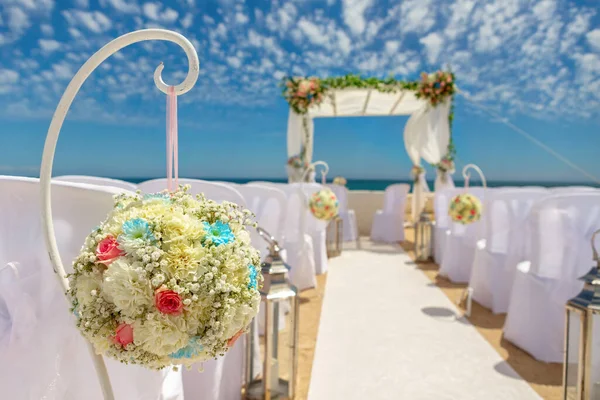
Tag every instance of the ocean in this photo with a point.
(376, 184)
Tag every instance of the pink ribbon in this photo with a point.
(172, 145)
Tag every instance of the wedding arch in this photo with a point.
(427, 134)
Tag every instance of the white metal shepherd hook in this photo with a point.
(52, 137)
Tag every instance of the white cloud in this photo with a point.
(593, 38)
(344, 43)
(278, 75)
(94, 21)
(63, 71)
(354, 14)
(124, 6)
(82, 3)
(154, 12)
(221, 30)
(392, 46)
(49, 45)
(8, 77)
(47, 29)
(241, 18)
(433, 46)
(208, 20)
(417, 16)
(18, 21)
(234, 61)
(187, 21)
(313, 32)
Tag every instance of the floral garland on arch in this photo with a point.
(302, 93)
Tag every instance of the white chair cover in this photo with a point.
(501, 248)
(388, 224)
(317, 229)
(300, 254)
(349, 222)
(441, 203)
(58, 366)
(460, 243)
(572, 189)
(560, 228)
(269, 205)
(97, 180)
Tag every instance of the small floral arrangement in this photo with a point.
(324, 204)
(436, 87)
(166, 279)
(339, 180)
(303, 93)
(446, 165)
(297, 162)
(416, 171)
(465, 209)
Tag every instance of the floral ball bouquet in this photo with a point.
(415, 171)
(339, 180)
(324, 204)
(166, 279)
(436, 87)
(465, 209)
(302, 93)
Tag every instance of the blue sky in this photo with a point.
(537, 63)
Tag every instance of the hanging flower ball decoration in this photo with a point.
(166, 279)
(465, 209)
(324, 205)
(297, 162)
(303, 93)
(340, 180)
(436, 87)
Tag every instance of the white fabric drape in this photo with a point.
(439, 181)
(295, 135)
(418, 199)
(426, 135)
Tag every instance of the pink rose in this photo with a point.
(304, 86)
(300, 93)
(167, 301)
(108, 250)
(123, 335)
(235, 337)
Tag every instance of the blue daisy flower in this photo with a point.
(137, 229)
(253, 277)
(218, 233)
(192, 349)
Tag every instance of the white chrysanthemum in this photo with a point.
(84, 286)
(241, 317)
(126, 289)
(161, 335)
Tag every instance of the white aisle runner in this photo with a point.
(387, 333)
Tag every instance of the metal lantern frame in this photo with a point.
(586, 306)
(54, 130)
(275, 290)
(335, 237)
(423, 237)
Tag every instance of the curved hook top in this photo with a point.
(67, 99)
(312, 166)
(467, 175)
